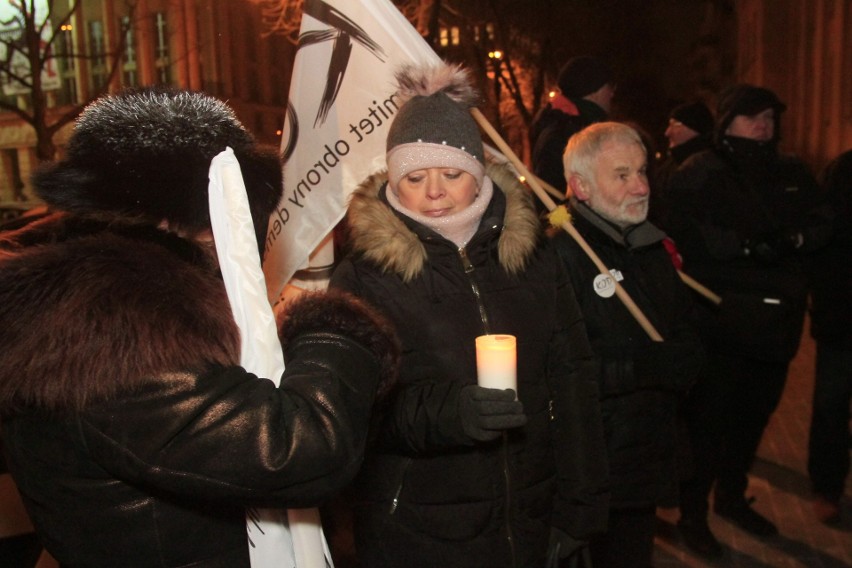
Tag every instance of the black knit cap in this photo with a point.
(583, 75)
(146, 154)
(694, 115)
(746, 100)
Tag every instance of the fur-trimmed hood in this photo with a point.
(378, 233)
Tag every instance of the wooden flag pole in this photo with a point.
(700, 288)
(567, 226)
(549, 188)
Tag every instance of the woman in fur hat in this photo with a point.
(449, 248)
(133, 434)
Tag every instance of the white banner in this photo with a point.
(342, 101)
(276, 538)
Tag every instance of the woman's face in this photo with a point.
(436, 192)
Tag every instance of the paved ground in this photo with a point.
(779, 481)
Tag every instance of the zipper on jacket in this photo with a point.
(395, 500)
(468, 270)
(507, 478)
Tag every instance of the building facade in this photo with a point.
(802, 51)
(212, 45)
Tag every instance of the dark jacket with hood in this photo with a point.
(745, 218)
(430, 494)
(134, 436)
(641, 380)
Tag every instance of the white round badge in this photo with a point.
(604, 285)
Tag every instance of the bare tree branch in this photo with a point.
(30, 41)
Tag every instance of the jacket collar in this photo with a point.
(633, 237)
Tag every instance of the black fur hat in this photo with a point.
(146, 154)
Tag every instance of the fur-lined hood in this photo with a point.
(381, 236)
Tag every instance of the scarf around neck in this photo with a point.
(459, 227)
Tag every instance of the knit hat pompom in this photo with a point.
(434, 127)
(426, 80)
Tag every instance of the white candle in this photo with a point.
(496, 362)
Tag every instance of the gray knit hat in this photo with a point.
(434, 127)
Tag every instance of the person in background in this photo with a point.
(586, 88)
(450, 248)
(831, 327)
(640, 381)
(134, 436)
(746, 219)
(689, 131)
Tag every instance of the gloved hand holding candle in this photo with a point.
(490, 407)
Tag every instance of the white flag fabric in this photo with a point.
(277, 538)
(342, 101)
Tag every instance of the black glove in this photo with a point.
(485, 413)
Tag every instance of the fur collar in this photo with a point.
(92, 310)
(379, 235)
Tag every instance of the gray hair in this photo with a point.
(583, 147)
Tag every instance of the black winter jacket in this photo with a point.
(723, 202)
(428, 494)
(641, 381)
(831, 276)
(133, 435)
(659, 204)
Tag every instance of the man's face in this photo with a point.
(760, 126)
(619, 191)
(678, 133)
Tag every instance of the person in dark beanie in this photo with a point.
(132, 432)
(746, 218)
(586, 88)
(450, 248)
(689, 131)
